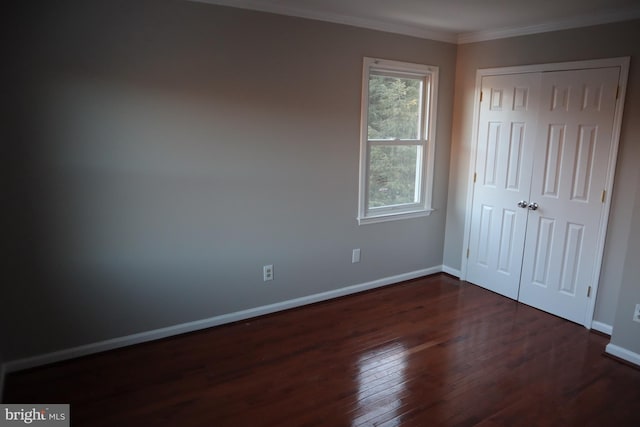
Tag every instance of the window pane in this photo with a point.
(392, 174)
(395, 105)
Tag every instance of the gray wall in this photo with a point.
(626, 332)
(603, 41)
(163, 151)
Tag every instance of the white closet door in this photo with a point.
(506, 140)
(575, 127)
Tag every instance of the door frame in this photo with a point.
(623, 63)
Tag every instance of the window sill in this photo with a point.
(393, 216)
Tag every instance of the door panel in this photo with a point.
(503, 174)
(575, 127)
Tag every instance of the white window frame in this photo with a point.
(426, 142)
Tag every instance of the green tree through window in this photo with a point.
(394, 107)
(392, 175)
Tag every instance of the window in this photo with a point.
(397, 140)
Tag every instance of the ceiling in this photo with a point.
(455, 21)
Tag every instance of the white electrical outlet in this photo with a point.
(267, 272)
(636, 314)
(355, 256)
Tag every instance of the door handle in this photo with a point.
(523, 204)
(533, 206)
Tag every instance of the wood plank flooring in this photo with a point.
(428, 352)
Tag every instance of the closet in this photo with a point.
(545, 151)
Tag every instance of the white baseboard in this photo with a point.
(83, 350)
(602, 327)
(623, 354)
(451, 271)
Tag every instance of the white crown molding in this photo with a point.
(576, 22)
(389, 27)
(428, 33)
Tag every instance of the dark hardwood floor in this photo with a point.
(429, 352)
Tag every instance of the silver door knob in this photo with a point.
(533, 206)
(523, 204)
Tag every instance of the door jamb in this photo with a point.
(623, 64)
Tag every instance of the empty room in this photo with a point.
(321, 213)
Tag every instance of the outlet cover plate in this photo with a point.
(267, 273)
(355, 256)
